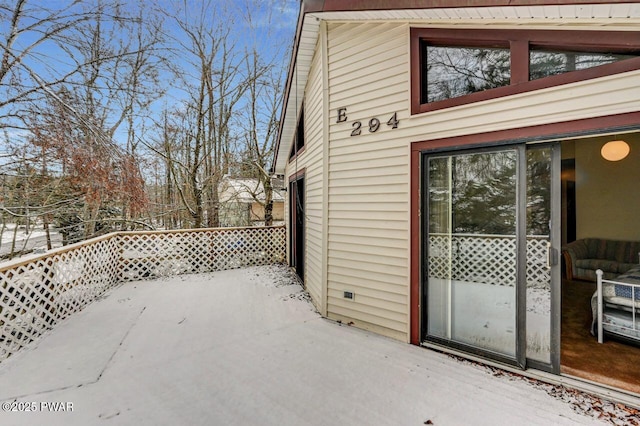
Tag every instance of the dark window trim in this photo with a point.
(293, 157)
(297, 175)
(299, 264)
(520, 41)
(298, 145)
(543, 132)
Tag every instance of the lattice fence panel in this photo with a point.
(486, 259)
(538, 273)
(151, 255)
(440, 251)
(35, 295)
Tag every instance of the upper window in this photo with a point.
(546, 62)
(298, 142)
(450, 72)
(455, 67)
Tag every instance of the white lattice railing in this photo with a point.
(489, 259)
(37, 293)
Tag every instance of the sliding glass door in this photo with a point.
(483, 213)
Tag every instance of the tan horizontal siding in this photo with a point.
(367, 206)
(355, 214)
(393, 99)
(369, 198)
(368, 297)
(384, 188)
(384, 144)
(372, 159)
(381, 235)
(314, 184)
(371, 224)
(372, 261)
(311, 161)
(370, 180)
(368, 78)
(366, 325)
(339, 263)
(369, 176)
(598, 97)
(359, 311)
(395, 156)
(360, 251)
(388, 91)
(342, 34)
(341, 71)
(386, 284)
(381, 170)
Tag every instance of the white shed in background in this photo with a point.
(242, 202)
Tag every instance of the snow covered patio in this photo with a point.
(245, 346)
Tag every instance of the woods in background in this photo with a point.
(120, 115)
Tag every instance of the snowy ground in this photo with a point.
(246, 347)
(35, 239)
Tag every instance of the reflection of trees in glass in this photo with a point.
(458, 71)
(548, 63)
(476, 193)
(484, 193)
(538, 191)
(439, 194)
(480, 189)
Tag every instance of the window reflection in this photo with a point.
(545, 63)
(458, 71)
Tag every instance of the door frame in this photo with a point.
(520, 293)
(540, 133)
(297, 227)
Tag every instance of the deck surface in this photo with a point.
(246, 347)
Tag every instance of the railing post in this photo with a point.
(600, 307)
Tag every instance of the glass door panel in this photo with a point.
(472, 266)
(541, 258)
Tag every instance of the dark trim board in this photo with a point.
(555, 131)
(519, 43)
(364, 5)
(297, 222)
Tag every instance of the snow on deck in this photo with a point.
(246, 347)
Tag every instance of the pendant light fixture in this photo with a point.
(615, 150)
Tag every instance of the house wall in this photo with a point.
(311, 160)
(368, 175)
(368, 246)
(607, 199)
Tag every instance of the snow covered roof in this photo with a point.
(245, 190)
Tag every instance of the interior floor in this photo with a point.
(613, 363)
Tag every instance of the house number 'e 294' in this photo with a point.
(374, 123)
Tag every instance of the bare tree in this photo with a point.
(265, 74)
(261, 126)
(27, 72)
(198, 151)
(79, 85)
(74, 78)
(120, 83)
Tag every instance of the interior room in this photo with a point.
(600, 206)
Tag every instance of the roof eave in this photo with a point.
(319, 6)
